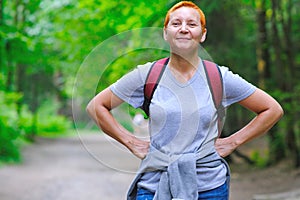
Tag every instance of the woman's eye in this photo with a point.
(176, 24)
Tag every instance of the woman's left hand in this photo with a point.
(268, 112)
(224, 146)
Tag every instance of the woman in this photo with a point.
(183, 159)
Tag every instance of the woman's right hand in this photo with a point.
(138, 147)
(99, 110)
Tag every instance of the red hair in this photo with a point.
(188, 4)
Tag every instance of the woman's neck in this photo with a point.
(184, 63)
(183, 68)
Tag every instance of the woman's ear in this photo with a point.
(165, 34)
(203, 37)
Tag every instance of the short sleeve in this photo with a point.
(130, 87)
(236, 88)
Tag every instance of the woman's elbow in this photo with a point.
(90, 108)
(278, 111)
(97, 106)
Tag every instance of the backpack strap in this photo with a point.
(215, 82)
(152, 80)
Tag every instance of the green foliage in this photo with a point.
(16, 126)
(277, 146)
(46, 45)
(48, 122)
(259, 160)
(53, 125)
(25, 121)
(9, 130)
(123, 116)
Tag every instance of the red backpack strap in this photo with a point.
(152, 80)
(215, 82)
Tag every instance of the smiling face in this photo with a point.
(184, 30)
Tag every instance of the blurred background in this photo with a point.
(43, 44)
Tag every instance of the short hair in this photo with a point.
(188, 4)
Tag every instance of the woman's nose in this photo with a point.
(183, 27)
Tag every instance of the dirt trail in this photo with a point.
(93, 167)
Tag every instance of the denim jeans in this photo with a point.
(219, 193)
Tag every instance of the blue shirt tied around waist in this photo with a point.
(178, 173)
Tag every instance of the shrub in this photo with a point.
(9, 131)
(48, 122)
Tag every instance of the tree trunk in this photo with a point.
(1, 12)
(2, 45)
(20, 18)
(263, 67)
(277, 45)
(10, 67)
(291, 73)
(20, 81)
(262, 52)
(281, 22)
(33, 106)
(20, 68)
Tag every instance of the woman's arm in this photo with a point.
(268, 113)
(99, 110)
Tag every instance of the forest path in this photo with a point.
(93, 167)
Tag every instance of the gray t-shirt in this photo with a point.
(183, 116)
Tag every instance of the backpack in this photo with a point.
(214, 79)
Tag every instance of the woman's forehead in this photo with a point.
(185, 13)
